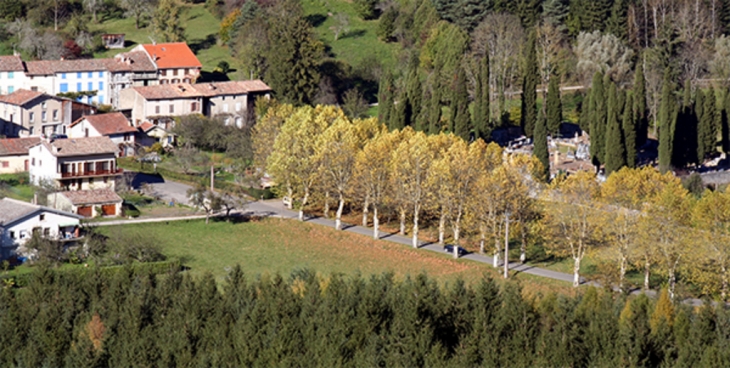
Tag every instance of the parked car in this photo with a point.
(449, 248)
(287, 201)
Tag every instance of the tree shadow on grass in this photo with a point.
(203, 44)
(357, 33)
(315, 19)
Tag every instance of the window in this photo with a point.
(238, 106)
(32, 161)
(23, 234)
(101, 74)
(157, 109)
(86, 132)
(194, 106)
(31, 130)
(78, 75)
(227, 121)
(163, 72)
(44, 116)
(101, 98)
(78, 87)
(91, 86)
(44, 104)
(239, 122)
(106, 179)
(187, 71)
(63, 75)
(91, 181)
(11, 75)
(31, 116)
(55, 115)
(64, 87)
(34, 89)
(174, 72)
(172, 108)
(225, 107)
(12, 235)
(46, 231)
(6, 164)
(91, 75)
(101, 86)
(42, 216)
(11, 89)
(127, 137)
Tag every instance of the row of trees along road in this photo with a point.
(100, 318)
(639, 220)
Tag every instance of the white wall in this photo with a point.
(19, 232)
(16, 80)
(43, 164)
(14, 164)
(72, 80)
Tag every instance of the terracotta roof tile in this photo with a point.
(95, 196)
(11, 64)
(17, 146)
(146, 126)
(21, 97)
(48, 67)
(80, 146)
(108, 124)
(168, 91)
(231, 87)
(173, 55)
(135, 61)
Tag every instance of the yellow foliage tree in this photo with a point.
(711, 260)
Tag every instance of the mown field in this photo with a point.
(272, 246)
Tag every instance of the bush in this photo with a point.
(14, 179)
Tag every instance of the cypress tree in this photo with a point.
(666, 135)
(615, 150)
(685, 131)
(617, 23)
(460, 119)
(434, 114)
(398, 116)
(529, 87)
(628, 126)
(707, 129)
(725, 122)
(385, 98)
(482, 125)
(641, 115)
(598, 120)
(540, 148)
(554, 106)
(414, 95)
(584, 121)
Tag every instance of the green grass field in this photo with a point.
(281, 246)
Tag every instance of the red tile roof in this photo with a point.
(11, 64)
(135, 61)
(168, 91)
(21, 97)
(95, 196)
(172, 55)
(108, 124)
(231, 87)
(80, 146)
(17, 146)
(147, 126)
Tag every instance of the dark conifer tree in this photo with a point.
(615, 149)
(586, 112)
(414, 95)
(554, 106)
(386, 97)
(529, 87)
(666, 123)
(598, 120)
(641, 116)
(434, 114)
(685, 130)
(628, 126)
(540, 149)
(707, 128)
(725, 122)
(482, 126)
(555, 13)
(460, 117)
(617, 23)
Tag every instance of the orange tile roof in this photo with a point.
(11, 64)
(173, 55)
(168, 91)
(95, 196)
(147, 126)
(17, 146)
(108, 124)
(231, 87)
(21, 97)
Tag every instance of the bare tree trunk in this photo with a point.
(442, 227)
(495, 258)
(338, 216)
(506, 247)
(576, 271)
(416, 209)
(482, 240)
(376, 222)
(723, 289)
(402, 221)
(365, 211)
(523, 245)
(647, 269)
(672, 283)
(55, 15)
(326, 204)
(290, 193)
(304, 203)
(622, 273)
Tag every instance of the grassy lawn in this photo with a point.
(354, 46)
(281, 246)
(201, 30)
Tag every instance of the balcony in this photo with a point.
(91, 173)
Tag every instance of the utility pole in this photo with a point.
(212, 179)
(506, 244)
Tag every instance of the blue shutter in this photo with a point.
(64, 87)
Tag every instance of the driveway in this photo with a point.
(156, 186)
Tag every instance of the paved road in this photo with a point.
(159, 187)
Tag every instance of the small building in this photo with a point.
(129, 69)
(175, 61)
(113, 40)
(19, 220)
(88, 203)
(151, 134)
(113, 125)
(26, 113)
(14, 154)
(75, 163)
(12, 74)
(232, 101)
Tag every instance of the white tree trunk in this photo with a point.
(442, 227)
(672, 283)
(327, 205)
(523, 245)
(495, 259)
(576, 272)
(622, 273)
(415, 226)
(365, 211)
(647, 269)
(290, 193)
(338, 216)
(723, 289)
(304, 203)
(482, 240)
(376, 223)
(402, 222)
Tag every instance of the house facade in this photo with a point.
(14, 155)
(129, 69)
(25, 113)
(75, 163)
(19, 220)
(113, 125)
(88, 203)
(12, 74)
(232, 101)
(175, 61)
(61, 76)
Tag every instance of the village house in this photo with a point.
(25, 113)
(128, 70)
(14, 154)
(12, 74)
(88, 203)
(19, 220)
(231, 101)
(89, 76)
(113, 125)
(75, 163)
(175, 62)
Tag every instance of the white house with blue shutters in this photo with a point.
(12, 74)
(58, 76)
